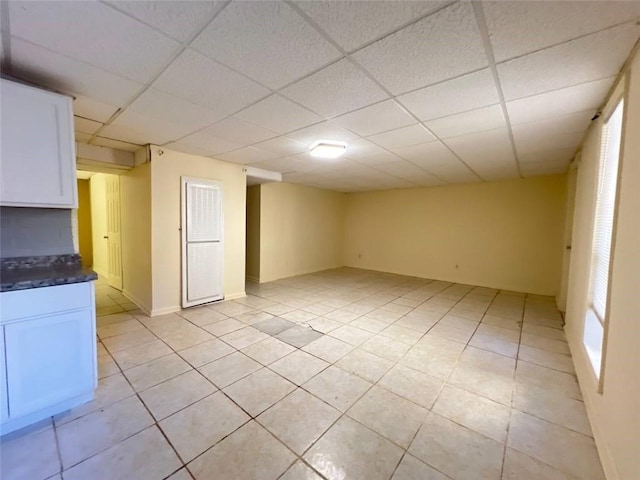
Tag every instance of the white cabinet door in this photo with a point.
(49, 360)
(37, 151)
(4, 405)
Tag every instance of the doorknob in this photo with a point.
(106, 237)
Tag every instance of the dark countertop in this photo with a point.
(21, 273)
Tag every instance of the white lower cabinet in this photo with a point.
(49, 360)
(4, 400)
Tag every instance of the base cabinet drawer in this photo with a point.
(48, 360)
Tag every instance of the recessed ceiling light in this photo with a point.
(327, 149)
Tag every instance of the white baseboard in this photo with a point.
(233, 296)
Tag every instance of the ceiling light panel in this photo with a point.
(384, 116)
(517, 28)
(327, 149)
(442, 46)
(374, 19)
(204, 81)
(267, 41)
(179, 20)
(461, 94)
(278, 114)
(96, 34)
(486, 118)
(587, 96)
(594, 57)
(401, 137)
(336, 89)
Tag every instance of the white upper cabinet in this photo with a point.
(37, 151)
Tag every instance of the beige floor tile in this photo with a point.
(300, 471)
(274, 325)
(119, 328)
(402, 334)
(323, 325)
(224, 326)
(100, 430)
(494, 344)
(254, 317)
(168, 397)
(506, 323)
(207, 352)
(244, 337)
(368, 324)
(157, 371)
(110, 390)
(543, 343)
(351, 335)
(350, 450)
(457, 451)
(268, 350)
(418, 322)
(107, 366)
(556, 446)
(231, 308)
(552, 407)
(258, 391)
(508, 334)
(435, 363)
(182, 474)
(411, 468)
(556, 361)
(29, 456)
(336, 387)
(201, 425)
(328, 348)
(298, 366)
(386, 347)
(474, 411)
(299, 316)
(144, 456)
(435, 343)
(384, 316)
(518, 466)
(450, 332)
(412, 385)
(299, 420)
(542, 331)
(229, 369)
(390, 415)
(552, 380)
(365, 365)
(343, 316)
(141, 354)
(128, 340)
(250, 453)
(299, 336)
(188, 338)
(202, 316)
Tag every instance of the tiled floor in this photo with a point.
(343, 374)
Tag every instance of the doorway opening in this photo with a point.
(252, 251)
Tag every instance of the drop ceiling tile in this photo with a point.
(336, 89)
(579, 98)
(96, 34)
(282, 146)
(117, 144)
(551, 140)
(82, 137)
(167, 108)
(553, 155)
(545, 167)
(85, 125)
(427, 180)
(378, 158)
(486, 118)
(572, 123)
(454, 172)
(516, 28)
(188, 148)
(428, 154)
(441, 46)
(239, 132)
(133, 127)
(453, 96)
(177, 19)
(58, 72)
(278, 114)
(204, 81)
(284, 165)
(322, 131)
(596, 56)
(401, 137)
(508, 171)
(244, 31)
(401, 169)
(353, 23)
(248, 155)
(204, 143)
(488, 146)
(363, 148)
(381, 117)
(89, 108)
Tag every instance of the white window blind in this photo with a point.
(602, 236)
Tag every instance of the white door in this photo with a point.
(202, 248)
(113, 231)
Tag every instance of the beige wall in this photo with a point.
(614, 414)
(135, 227)
(85, 239)
(504, 235)
(301, 230)
(166, 170)
(252, 257)
(98, 190)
